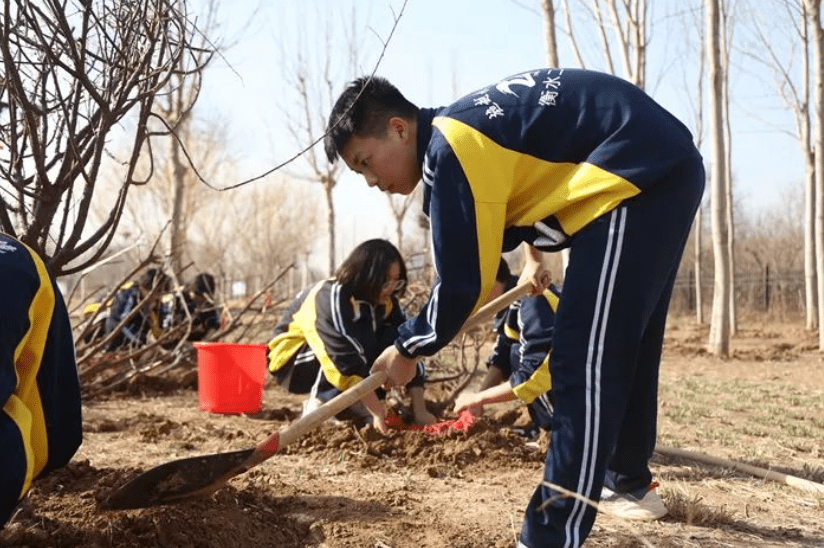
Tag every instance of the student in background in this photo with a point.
(332, 332)
(133, 296)
(193, 304)
(530, 322)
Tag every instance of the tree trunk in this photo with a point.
(805, 136)
(725, 35)
(177, 232)
(810, 278)
(699, 302)
(719, 323)
(330, 219)
(550, 41)
(817, 40)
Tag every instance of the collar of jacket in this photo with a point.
(425, 117)
(365, 308)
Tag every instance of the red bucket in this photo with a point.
(230, 376)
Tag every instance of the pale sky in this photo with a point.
(444, 49)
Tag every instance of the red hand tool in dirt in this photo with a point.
(190, 477)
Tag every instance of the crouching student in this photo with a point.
(530, 322)
(40, 421)
(332, 332)
(200, 295)
(194, 306)
(136, 324)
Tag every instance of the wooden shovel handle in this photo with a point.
(307, 422)
(332, 407)
(487, 311)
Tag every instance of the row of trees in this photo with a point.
(624, 27)
(103, 150)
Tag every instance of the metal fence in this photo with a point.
(765, 291)
(776, 294)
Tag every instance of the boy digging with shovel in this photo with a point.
(552, 158)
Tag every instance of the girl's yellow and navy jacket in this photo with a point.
(533, 158)
(40, 423)
(526, 335)
(535, 318)
(326, 327)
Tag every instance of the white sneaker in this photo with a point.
(629, 506)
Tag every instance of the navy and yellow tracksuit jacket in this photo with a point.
(326, 328)
(532, 328)
(40, 423)
(533, 158)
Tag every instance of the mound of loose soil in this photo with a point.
(487, 442)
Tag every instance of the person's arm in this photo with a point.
(400, 369)
(377, 409)
(506, 332)
(467, 226)
(119, 308)
(495, 394)
(123, 308)
(534, 270)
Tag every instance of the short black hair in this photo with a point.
(154, 277)
(203, 284)
(364, 109)
(364, 270)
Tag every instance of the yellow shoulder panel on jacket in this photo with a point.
(532, 188)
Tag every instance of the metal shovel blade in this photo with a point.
(178, 480)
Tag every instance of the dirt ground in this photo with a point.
(340, 488)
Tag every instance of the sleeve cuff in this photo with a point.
(402, 350)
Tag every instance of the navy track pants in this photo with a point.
(608, 334)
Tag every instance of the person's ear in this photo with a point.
(400, 127)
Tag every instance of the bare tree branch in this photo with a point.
(74, 73)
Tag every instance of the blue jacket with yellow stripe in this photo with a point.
(135, 332)
(530, 378)
(326, 327)
(40, 423)
(533, 158)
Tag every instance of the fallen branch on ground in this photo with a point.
(756, 471)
